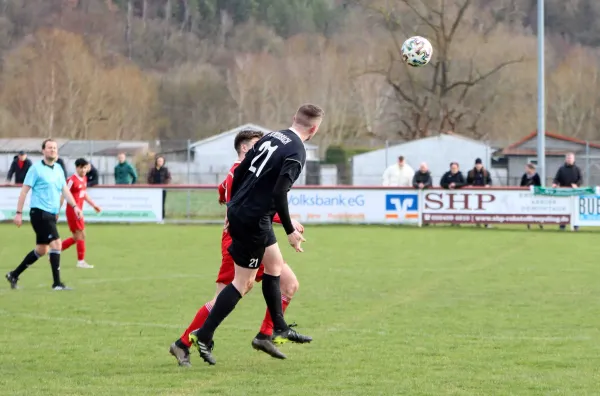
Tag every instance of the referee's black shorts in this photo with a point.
(44, 225)
(249, 239)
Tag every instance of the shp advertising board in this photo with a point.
(128, 205)
(494, 207)
(354, 206)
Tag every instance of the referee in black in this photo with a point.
(46, 180)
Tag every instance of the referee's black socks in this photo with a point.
(224, 305)
(31, 258)
(272, 293)
(55, 264)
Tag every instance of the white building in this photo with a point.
(214, 155)
(436, 151)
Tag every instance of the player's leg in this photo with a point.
(54, 253)
(71, 222)
(41, 248)
(289, 286)
(224, 305)
(79, 236)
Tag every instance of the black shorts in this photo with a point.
(249, 239)
(44, 225)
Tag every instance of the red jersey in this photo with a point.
(225, 192)
(78, 186)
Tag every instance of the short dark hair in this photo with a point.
(245, 136)
(531, 166)
(80, 162)
(47, 141)
(401, 158)
(454, 163)
(308, 114)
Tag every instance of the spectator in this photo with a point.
(531, 178)
(453, 178)
(159, 174)
(398, 175)
(568, 175)
(92, 176)
(19, 168)
(124, 172)
(422, 179)
(479, 176)
(63, 166)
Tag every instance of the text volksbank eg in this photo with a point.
(345, 200)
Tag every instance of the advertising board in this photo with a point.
(128, 205)
(490, 206)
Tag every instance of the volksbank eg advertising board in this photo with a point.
(354, 206)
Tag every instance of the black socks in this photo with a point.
(31, 258)
(224, 305)
(272, 294)
(55, 264)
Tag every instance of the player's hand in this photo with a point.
(18, 220)
(78, 212)
(97, 209)
(295, 239)
(299, 227)
(222, 201)
(57, 216)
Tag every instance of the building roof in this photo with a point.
(69, 148)
(513, 149)
(235, 131)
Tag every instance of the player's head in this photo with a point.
(308, 119)
(245, 139)
(82, 166)
(50, 150)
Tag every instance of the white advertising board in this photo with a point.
(489, 206)
(586, 210)
(128, 205)
(375, 206)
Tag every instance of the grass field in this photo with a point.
(394, 311)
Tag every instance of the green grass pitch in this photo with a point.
(393, 311)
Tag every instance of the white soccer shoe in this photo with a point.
(83, 264)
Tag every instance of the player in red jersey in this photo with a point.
(77, 185)
(289, 283)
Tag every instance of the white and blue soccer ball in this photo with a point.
(417, 51)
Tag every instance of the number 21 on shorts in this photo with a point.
(264, 148)
(253, 263)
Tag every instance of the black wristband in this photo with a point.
(19, 212)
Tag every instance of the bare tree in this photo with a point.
(438, 97)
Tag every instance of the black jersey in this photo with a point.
(276, 154)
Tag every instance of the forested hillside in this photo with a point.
(185, 69)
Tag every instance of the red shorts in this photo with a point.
(74, 223)
(227, 270)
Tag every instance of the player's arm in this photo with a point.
(66, 194)
(223, 190)
(289, 174)
(92, 203)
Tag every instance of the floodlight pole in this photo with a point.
(541, 110)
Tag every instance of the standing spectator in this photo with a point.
(568, 175)
(479, 176)
(531, 178)
(159, 174)
(19, 168)
(124, 172)
(92, 176)
(63, 166)
(453, 178)
(399, 174)
(422, 179)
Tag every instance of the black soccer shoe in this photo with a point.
(283, 336)
(181, 354)
(267, 346)
(12, 281)
(205, 349)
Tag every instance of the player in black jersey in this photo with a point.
(260, 186)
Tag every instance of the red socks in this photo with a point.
(80, 250)
(67, 243)
(198, 321)
(267, 324)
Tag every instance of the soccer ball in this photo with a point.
(416, 51)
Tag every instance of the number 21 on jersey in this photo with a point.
(264, 148)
